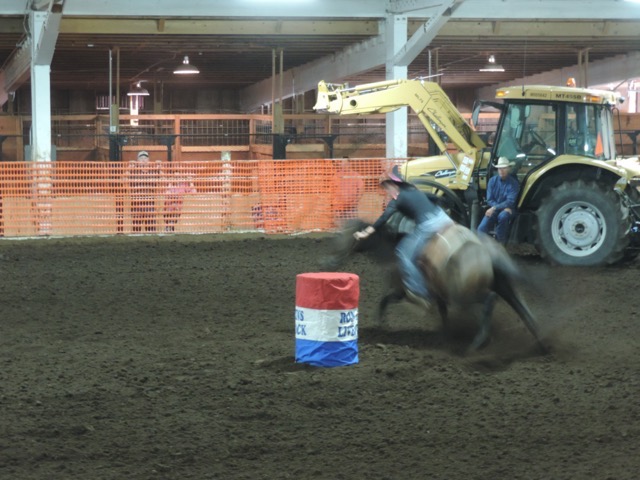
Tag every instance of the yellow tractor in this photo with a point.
(579, 203)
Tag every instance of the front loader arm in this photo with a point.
(426, 99)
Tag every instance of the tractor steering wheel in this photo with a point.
(537, 140)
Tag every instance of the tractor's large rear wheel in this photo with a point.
(583, 224)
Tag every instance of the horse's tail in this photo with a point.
(507, 273)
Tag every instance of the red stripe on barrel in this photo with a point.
(327, 290)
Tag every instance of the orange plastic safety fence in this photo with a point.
(271, 196)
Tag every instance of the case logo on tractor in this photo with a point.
(443, 173)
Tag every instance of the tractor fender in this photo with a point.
(565, 168)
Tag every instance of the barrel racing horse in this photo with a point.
(462, 269)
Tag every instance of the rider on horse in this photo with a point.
(429, 219)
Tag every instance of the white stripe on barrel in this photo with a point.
(327, 318)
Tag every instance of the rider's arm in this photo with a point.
(392, 206)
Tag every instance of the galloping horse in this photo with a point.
(462, 269)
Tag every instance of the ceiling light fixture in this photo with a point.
(492, 66)
(186, 68)
(137, 90)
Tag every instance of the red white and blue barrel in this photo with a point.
(327, 318)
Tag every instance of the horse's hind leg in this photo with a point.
(485, 322)
(444, 316)
(393, 295)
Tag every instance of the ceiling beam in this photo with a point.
(17, 69)
(547, 10)
(357, 58)
(372, 9)
(453, 28)
(147, 26)
(409, 7)
(46, 43)
(11, 25)
(537, 28)
(207, 8)
(15, 72)
(423, 36)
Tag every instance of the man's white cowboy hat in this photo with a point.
(503, 162)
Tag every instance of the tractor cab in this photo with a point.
(533, 132)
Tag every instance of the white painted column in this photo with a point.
(40, 94)
(41, 114)
(396, 131)
(40, 125)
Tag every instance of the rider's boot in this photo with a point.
(418, 300)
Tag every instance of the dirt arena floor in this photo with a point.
(173, 358)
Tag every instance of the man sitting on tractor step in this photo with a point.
(502, 193)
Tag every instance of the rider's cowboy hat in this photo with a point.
(394, 177)
(503, 162)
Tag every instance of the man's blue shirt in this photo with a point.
(501, 193)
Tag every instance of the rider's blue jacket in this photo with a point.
(412, 203)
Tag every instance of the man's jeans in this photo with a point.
(410, 247)
(500, 220)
